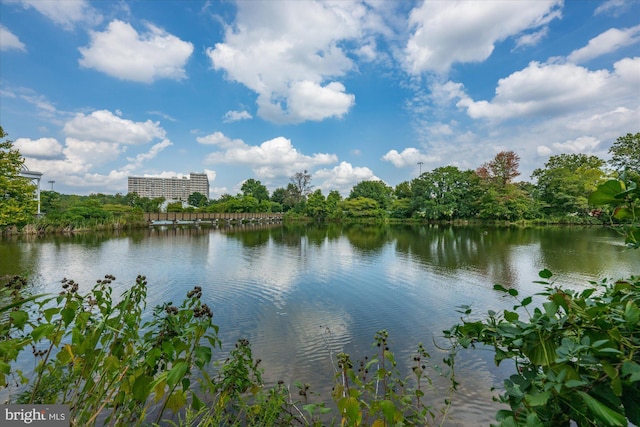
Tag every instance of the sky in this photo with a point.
(92, 92)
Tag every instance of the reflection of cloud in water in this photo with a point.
(264, 273)
(298, 343)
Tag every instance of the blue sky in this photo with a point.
(93, 92)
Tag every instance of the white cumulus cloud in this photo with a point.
(607, 42)
(273, 158)
(290, 54)
(43, 148)
(552, 89)
(103, 125)
(408, 157)
(120, 51)
(449, 32)
(343, 177)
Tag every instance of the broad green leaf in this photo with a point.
(632, 314)
(607, 192)
(196, 403)
(67, 315)
(176, 373)
(19, 318)
(623, 213)
(202, 356)
(498, 287)
(603, 414)
(142, 388)
(176, 401)
(537, 399)
(510, 316)
(545, 274)
(632, 369)
(41, 331)
(389, 410)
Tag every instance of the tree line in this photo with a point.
(559, 193)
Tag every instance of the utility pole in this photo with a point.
(420, 163)
(51, 182)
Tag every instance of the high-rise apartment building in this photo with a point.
(169, 188)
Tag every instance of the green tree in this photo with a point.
(361, 208)
(198, 200)
(287, 197)
(375, 190)
(403, 190)
(252, 187)
(625, 153)
(445, 193)
(334, 211)
(17, 206)
(565, 182)
(501, 199)
(316, 206)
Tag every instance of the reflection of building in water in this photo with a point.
(33, 176)
(169, 188)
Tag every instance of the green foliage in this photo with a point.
(375, 190)
(625, 153)
(288, 198)
(198, 200)
(621, 199)
(446, 193)
(254, 188)
(17, 206)
(577, 355)
(361, 208)
(241, 203)
(377, 394)
(566, 181)
(316, 206)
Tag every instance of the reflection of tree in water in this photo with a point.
(289, 234)
(453, 248)
(556, 243)
(368, 238)
(16, 261)
(250, 238)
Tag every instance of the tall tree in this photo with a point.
(316, 206)
(17, 206)
(445, 193)
(502, 169)
(302, 182)
(625, 153)
(252, 187)
(375, 190)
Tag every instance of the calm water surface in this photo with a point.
(300, 293)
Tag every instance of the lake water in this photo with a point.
(301, 293)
